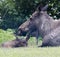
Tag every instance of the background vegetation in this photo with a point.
(14, 12)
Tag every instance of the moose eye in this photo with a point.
(31, 19)
(35, 15)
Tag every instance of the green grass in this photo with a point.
(31, 51)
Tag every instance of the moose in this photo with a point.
(46, 26)
(23, 29)
(14, 43)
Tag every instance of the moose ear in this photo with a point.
(16, 37)
(42, 8)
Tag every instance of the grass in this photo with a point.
(31, 51)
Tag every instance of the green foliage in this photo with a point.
(6, 35)
(15, 12)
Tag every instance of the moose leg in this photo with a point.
(43, 45)
(28, 36)
(45, 42)
(37, 38)
(36, 41)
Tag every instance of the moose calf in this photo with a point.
(15, 43)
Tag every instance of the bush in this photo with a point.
(6, 35)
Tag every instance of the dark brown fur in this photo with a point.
(14, 43)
